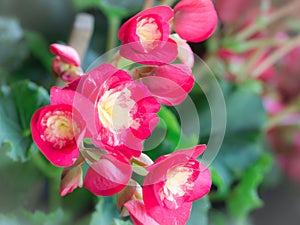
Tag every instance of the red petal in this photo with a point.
(195, 20)
(65, 156)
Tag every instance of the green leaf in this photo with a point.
(199, 214)
(39, 48)
(243, 142)
(13, 49)
(111, 7)
(18, 103)
(244, 197)
(105, 212)
(218, 217)
(19, 183)
(245, 111)
(57, 217)
(84, 4)
(121, 222)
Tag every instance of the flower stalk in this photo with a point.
(278, 54)
(279, 14)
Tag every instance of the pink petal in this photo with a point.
(94, 79)
(145, 114)
(193, 152)
(128, 123)
(202, 184)
(68, 95)
(138, 213)
(68, 54)
(195, 20)
(151, 50)
(170, 83)
(165, 216)
(165, 52)
(108, 176)
(185, 53)
(61, 96)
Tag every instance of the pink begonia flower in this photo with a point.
(195, 20)
(108, 175)
(123, 113)
(71, 177)
(174, 181)
(66, 63)
(185, 53)
(145, 37)
(57, 129)
(170, 84)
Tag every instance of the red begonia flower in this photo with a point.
(124, 111)
(66, 63)
(174, 181)
(170, 84)
(145, 37)
(66, 53)
(108, 175)
(57, 129)
(195, 20)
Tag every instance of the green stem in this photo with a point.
(53, 174)
(47, 169)
(276, 55)
(54, 193)
(282, 12)
(113, 27)
(277, 119)
(167, 2)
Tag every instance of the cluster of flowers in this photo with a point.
(279, 78)
(103, 116)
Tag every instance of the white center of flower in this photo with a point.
(148, 32)
(60, 130)
(114, 110)
(177, 184)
